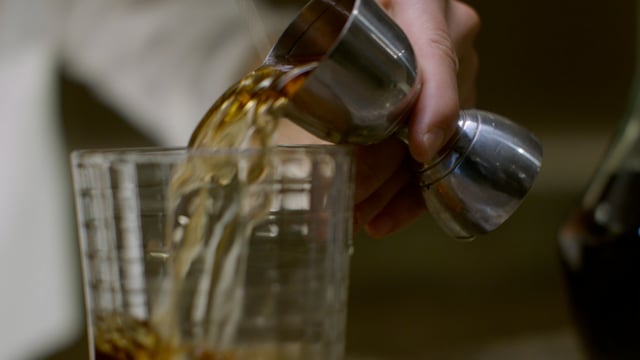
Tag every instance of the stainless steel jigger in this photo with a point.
(362, 85)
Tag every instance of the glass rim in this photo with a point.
(171, 154)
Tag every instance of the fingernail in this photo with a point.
(432, 142)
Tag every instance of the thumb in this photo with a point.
(436, 110)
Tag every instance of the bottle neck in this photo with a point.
(623, 154)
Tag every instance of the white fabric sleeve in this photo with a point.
(40, 305)
(162, 63)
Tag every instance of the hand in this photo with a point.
(442, 33)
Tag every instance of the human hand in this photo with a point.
(442, 33)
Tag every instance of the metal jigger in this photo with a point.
(365, 81)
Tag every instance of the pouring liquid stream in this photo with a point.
(202, 227)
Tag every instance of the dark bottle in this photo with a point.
(600, 249)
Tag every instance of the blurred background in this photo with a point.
(562, 69)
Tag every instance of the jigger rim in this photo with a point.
(366, 77)
(291, 30)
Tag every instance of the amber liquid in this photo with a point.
(246, 116)
(601, 253)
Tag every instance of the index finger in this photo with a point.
(437, 107)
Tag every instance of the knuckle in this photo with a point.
(469, 18)
(440, 42)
